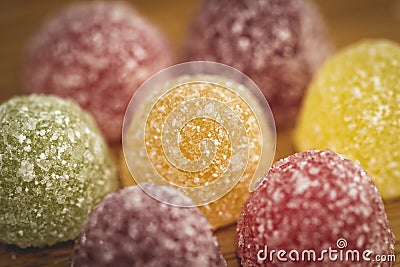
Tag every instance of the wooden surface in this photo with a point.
(348, 21)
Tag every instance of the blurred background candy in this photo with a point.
(278, 44)
(353, 107)
(310, 201)
(97, 53)
(347, 21)
(55, 167)
(130, 228)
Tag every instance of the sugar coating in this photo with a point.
(353, 107)
(130, 228)
(278, 44)
(54, 168)
(97, 53)
(225, 210)
(219, 213)
(194, 101)
(310, 200)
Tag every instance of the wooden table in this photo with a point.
(348, 21)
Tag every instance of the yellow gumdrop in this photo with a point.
(353, 107)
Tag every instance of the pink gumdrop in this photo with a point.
(97, 53)
(278, 44)
(312, 201)
(130, 228)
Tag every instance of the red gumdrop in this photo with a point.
(97, 53)
(312, 201)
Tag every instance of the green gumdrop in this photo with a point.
(55, 167)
